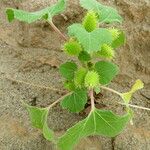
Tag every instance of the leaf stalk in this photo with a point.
(58, 31)
(111, 90)
(58, 100)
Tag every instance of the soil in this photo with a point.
(32, 53)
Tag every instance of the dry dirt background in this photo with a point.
(32, 53)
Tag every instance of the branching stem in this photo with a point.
(135, 106)
(57, 101)
(58, 31)
(111, 90)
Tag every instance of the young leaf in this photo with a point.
(137, 86)
(29, 17)
(67, 70)
(76, 101)
(98, 122)
(107, 71)
(38, 117)
(119, 41)
(106, 14)
(84, 56)
(97, 90)
(91, 41)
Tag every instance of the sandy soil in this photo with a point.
(32, 53)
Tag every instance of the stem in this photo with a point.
(111, 90)
(58, 100)
(58, 31)
(135, 106)
(91, 94)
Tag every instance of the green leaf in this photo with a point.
(107, 71)
(47, 132)
(137, 86)
(98, 122)
(29, 17)
(69, 85)
(84, 56)
(67, 70)
(97, 90)
(38, 117)
(106, 14)
(91, 41)
(76, 101)
(119, 41)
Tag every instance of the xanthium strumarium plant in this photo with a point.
(88, 42)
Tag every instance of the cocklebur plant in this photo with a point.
(85, 41)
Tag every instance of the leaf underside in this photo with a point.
(128, 95)
(98, 122)
(107, 71)
(38, 117)
(29, 17)
(91, 41)
(106, 14)
(76, 101)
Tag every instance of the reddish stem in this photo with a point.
(58, 31)
(91, 94)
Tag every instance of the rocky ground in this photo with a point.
(32, 54)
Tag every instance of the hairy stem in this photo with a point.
(58, 100)
(135, 106)
(130, 105)
(111, 90)
(91, 94)
(58, 31)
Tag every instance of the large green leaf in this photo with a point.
(91, 41)
(128, 95)
(76, 101)
(38, 117)
(29, 17)
(107, 71)
(106, 14)
(98, 122)
(67, 70)
(119, 41)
